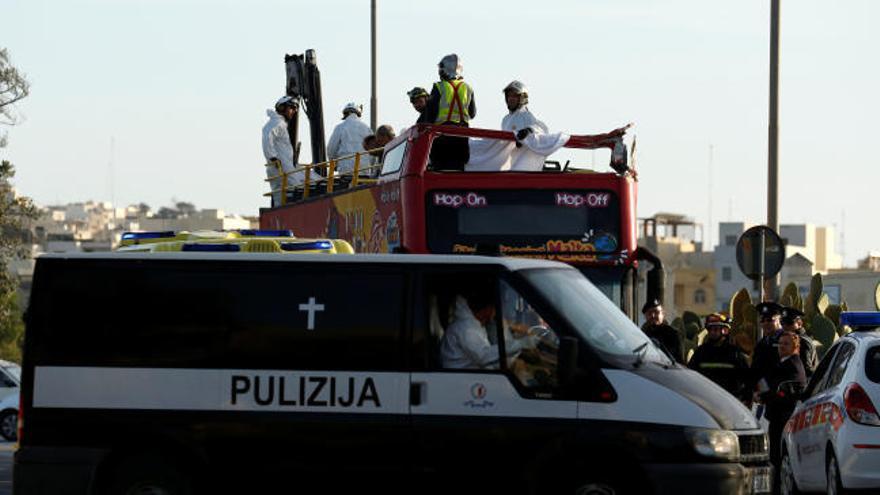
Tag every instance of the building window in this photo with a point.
(678, 295)
(699, 296)
(730, 240)
(726, 274)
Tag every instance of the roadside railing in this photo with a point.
(315, 183)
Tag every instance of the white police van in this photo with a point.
(200, 372)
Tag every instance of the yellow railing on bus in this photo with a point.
(330, 167)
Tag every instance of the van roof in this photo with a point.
(510, 263)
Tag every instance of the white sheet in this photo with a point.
(492, 155)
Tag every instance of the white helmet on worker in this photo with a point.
(517, 88)
(450, 67)
(286, 101)
(352, 107)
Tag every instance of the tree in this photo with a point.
(13, 87)
(16, 212)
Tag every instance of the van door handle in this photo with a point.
(416, 393)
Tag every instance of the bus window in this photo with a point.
(393, 159)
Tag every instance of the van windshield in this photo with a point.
(596, 319)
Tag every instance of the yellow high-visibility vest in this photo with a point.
(454, 102)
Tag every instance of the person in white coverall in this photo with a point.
(465, 344)
(348, 138)
(277, 148)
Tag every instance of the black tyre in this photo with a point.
(9, 425)
(149, 475)
(599, 488)
(787, 483)
(833, 486)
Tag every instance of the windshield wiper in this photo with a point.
(640, 352)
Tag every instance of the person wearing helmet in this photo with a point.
(418, 97)
(520, 120)
(451, 103)
(720, 360)
(277, 148)
(348, 137)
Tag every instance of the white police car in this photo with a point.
(832, 440)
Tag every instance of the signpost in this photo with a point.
(760, 254)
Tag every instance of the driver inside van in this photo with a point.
(465, 344)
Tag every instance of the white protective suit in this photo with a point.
(489, 155)
(276, 144)
(347, 139)
(465, 345)
(521, 119)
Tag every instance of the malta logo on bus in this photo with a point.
(592, 200)
(478, 397)
(452, 200)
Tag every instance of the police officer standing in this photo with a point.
(720, 360)
(765, 355)
(792, 321)
(659, 331)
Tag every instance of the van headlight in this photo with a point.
(717, 444)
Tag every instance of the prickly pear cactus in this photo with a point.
(811, 305)
(825, 333)
(739, 300)
(691, 320)
(832, 312)
(877, 296)
(790, 296)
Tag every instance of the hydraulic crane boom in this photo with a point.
(304, 84)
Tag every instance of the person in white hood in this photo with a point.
(465, 344)
(277, 148)
(348, 138)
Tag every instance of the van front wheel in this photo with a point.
(597, 489)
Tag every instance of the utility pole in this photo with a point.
(773, 134)
(373, 102)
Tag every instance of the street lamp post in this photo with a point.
(373, 102)
(773, 134)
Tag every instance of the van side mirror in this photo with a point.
(568, 358)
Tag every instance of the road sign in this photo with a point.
(760, 253)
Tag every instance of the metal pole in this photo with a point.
(373, 103)
(773, 132)
(761, 266)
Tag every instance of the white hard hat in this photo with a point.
(450, 66)
(353, 107)
(286, 101)
(519, 88)
(516, 87)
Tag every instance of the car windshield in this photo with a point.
(596, 319)
(15, 371)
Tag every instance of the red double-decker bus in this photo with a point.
(581, 217)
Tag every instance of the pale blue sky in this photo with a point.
(182, 87)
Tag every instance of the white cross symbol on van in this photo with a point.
(311, 308)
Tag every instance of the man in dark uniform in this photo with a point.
(720, 360)
(659, 331)
(780, 404)
(765, 356)
(792, 321)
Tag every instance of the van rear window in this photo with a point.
(872, 364)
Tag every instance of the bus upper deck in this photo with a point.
(553, 211)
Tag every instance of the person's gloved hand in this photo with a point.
(522, 133)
